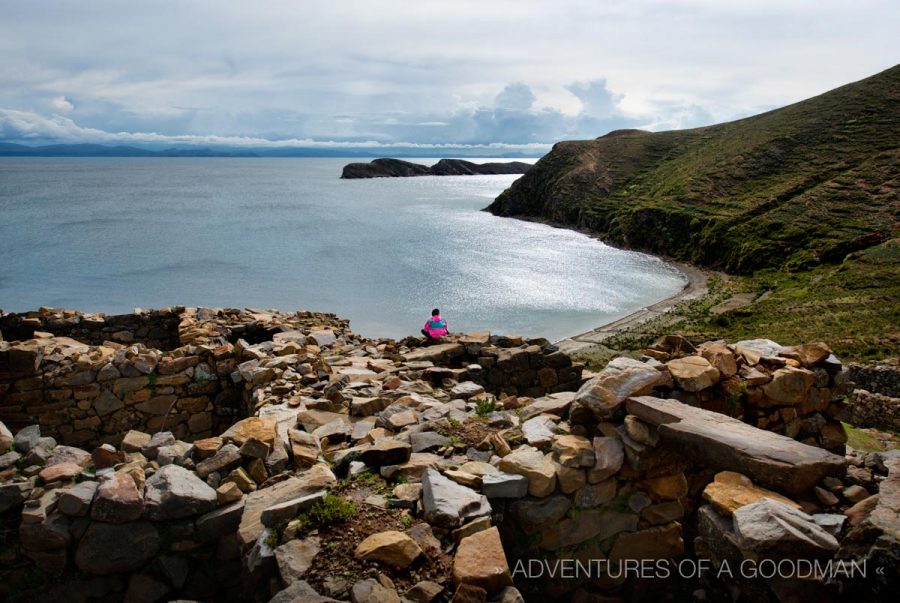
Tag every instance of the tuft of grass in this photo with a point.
(332, 510)
(858, 439)
(484, 407)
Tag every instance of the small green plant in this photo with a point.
(406, 520)
(453, 422)
(733, 398)
(484, 407)
(327, 512)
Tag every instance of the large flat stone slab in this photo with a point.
(434, 352)
(722, 443)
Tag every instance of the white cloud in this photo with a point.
(282, 69)
(28, 126)
(61, 103)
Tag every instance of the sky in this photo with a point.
(486, 74)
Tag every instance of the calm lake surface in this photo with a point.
(113, 234)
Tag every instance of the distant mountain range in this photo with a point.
(8, 149)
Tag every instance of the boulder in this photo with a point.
(480, 561)
(789, 385)
(771, 528)
(371, 591)
(226, 458)
(68, 454)
(117, 499)
(386, 451)
(730, 491)
(662, 542)
(573, 451)
(466, 390)
(504, 485)
(224, 520)
(754, 350)
(295, 557)
(289, 509)
(539, 431)
(538, 469)
(107, 548)
(174, 492)
(27, 438)
(623, 377)
(314, 479)
(261, 428)
(134, 441)
(152, 446)
(426, 441)
(534, 514)
(693, 373)
(392, 548)
(447, 504)
(60, 472)
(609, 454)
(76, 501)
(808, 355)
(720, 357)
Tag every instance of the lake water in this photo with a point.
(112, 234)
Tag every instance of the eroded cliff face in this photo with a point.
(791, 188)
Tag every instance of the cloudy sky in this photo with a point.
(388, 73)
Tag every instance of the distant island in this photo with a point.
(396, 168)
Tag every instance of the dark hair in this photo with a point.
(435, 312)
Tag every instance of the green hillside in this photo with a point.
(801, 202)
(793, 187)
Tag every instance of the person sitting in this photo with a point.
(436, 327)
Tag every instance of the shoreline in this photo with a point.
(696, 286)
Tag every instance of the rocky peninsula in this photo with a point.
(397, 168)
(237, 454)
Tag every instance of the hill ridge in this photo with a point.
(789, 188)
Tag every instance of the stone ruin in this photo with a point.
(471, 464)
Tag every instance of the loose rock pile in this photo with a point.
(391, 471)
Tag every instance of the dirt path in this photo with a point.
(695, 287)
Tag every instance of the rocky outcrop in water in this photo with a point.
(396, 168)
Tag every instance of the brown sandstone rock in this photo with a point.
(731, 491)
(392, 548)
(622, 377)
(693, 373)
(117, 500)
(480, 561)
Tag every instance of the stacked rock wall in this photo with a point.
(797, 391)
(154, 328)
(624, 484)
(875, 401)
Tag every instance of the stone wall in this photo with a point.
(226, 364)
(154, 328)
(797, 391)
(615, 477)
(89, 392)
(877, 377)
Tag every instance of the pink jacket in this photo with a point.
(436, 327)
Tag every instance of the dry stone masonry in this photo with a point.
(287, 459)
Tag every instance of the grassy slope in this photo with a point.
(781, 198)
